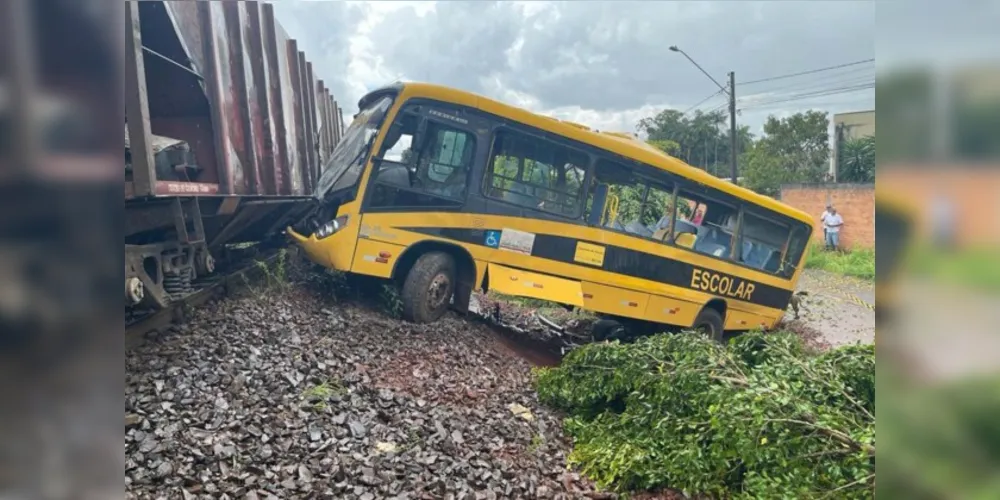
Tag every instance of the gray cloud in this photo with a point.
(613, 55)
(605, 60)
(460, 44)
(323, 30)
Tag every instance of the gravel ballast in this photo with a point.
(285, 395)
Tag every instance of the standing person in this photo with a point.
(822, 219)
(833, 223)
(943, 217)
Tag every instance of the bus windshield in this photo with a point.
(344, 167)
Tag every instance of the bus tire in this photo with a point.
(710, 322)
(428, 288)
(607, 329)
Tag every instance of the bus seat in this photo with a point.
(395, 174)
(635, 227)
(686, 240)
(660, 234)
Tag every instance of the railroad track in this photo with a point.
(246, 271)
(542, 343)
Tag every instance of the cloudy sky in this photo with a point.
(604, 64)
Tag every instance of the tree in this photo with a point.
(702, 139)
(795, 149)
(667, 146)
(857, 160)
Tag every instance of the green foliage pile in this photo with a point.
(942, 440)
(759, 418)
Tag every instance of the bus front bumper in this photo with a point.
(332, 252)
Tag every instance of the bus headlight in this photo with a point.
(330, 228)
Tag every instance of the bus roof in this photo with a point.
(615, 142)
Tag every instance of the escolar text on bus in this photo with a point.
(722, 285)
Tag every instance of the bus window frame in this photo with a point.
(421, 108)
(503, 125)
(707, 196)
(786, 223)
(654, 178)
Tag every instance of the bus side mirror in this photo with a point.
(597, 206)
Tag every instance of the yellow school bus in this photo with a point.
(446, 192)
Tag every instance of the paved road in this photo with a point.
(946, 331)
(839, 309)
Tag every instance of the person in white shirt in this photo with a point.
(833, 223)
(822, 219)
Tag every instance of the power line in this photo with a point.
(717, 108)
(842, 78)
(811, 95)
(809, 72)
(703, 101)
(812, 104)
(813, 87)
(825, 88)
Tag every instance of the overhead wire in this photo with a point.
(851, 78)
(812, 104)
(824, 80)
(703, 101)
(765, 96)
(811, 95)
(808, 72)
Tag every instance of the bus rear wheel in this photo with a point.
(710, 323)
(607, 329)
(428, 288)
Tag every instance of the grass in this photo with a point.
(977, 268)
(857, 262)
(318, 395)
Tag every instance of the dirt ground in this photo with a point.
(839, 310)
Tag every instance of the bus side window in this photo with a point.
(537, 174)
(797, 243)
(636, 205)
(714, 224)
(763, 243)
(431, 173)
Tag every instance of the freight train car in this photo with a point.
(226, 129)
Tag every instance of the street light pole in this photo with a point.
(731, 91)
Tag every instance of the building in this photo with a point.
(847, 126)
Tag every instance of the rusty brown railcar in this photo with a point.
(226, 130)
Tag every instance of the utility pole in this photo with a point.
(732, 126)
(732, 109)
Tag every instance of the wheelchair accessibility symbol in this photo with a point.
(493, 239)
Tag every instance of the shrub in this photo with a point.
(759, 418)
